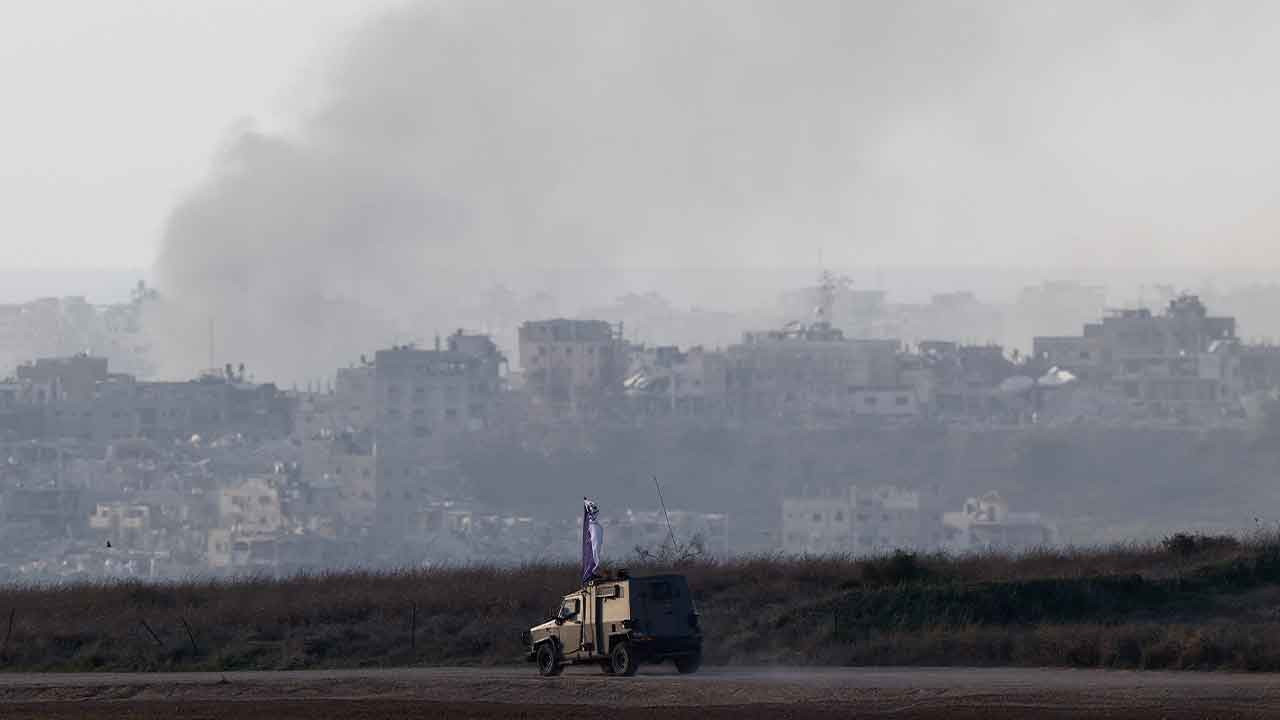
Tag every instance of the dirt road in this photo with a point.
(712, 694)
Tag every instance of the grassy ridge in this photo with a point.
(1190, 602)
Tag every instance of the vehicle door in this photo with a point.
(570, 628)
(666, 607)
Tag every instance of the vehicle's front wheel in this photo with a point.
(689, 663)
(548, 662)
(623, 659)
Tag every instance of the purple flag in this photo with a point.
(592, 541)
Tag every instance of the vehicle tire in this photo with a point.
(689, 663)
(549, 660)
(623, 659)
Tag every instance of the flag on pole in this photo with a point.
(592, 541)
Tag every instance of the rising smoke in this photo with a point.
(463, 144)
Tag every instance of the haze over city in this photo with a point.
(394, 155)
(859, 356)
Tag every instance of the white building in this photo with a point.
(986, 523)
(861, 522)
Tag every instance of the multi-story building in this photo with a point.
(1079, 355)
(663, 380)
(125, 525)
(901, 401)
(353, 399)
(339, 479)
(960, 379)
(250, 506)
(423, 400)
(79, 399)
(1182, 360)
(811, 371)
(572, 365)
(861, 521)
(71, 379)
(53, 327)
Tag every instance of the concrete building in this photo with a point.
(986, 523)
(861, 522)
(666, 381)
(572, 366)
(339, 479)
(72, 379)
(899, 401)
(1181, 361)
(208, 407)
(1080, 355)
(125, 525)
(59, 327)
(250, 506)
(423, 400)
(1259, 368)
(964, 379)
(353, 394)
(230, 549)
(78, 398)
(806, 371)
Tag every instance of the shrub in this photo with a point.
(1187, 544)
(897, 569)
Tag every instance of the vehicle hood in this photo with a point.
(548, 625)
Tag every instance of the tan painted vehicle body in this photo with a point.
(619, 624)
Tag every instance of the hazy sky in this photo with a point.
(1007, 133)
(113, 108)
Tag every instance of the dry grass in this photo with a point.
(1152, 606)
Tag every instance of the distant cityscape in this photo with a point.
(411, 455)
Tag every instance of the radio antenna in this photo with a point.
(675, 547)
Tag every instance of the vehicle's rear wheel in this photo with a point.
(689, 663)
(548, 660)
(623, 659)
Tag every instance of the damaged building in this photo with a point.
(1182, 361)
(811, 372)
(572, 367)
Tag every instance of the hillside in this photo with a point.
(1191, 602)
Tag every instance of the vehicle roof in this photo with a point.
(609, 581)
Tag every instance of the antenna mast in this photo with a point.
(675, 547)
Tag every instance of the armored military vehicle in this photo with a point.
(619, 623)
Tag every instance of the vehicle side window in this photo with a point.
(569, 609)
